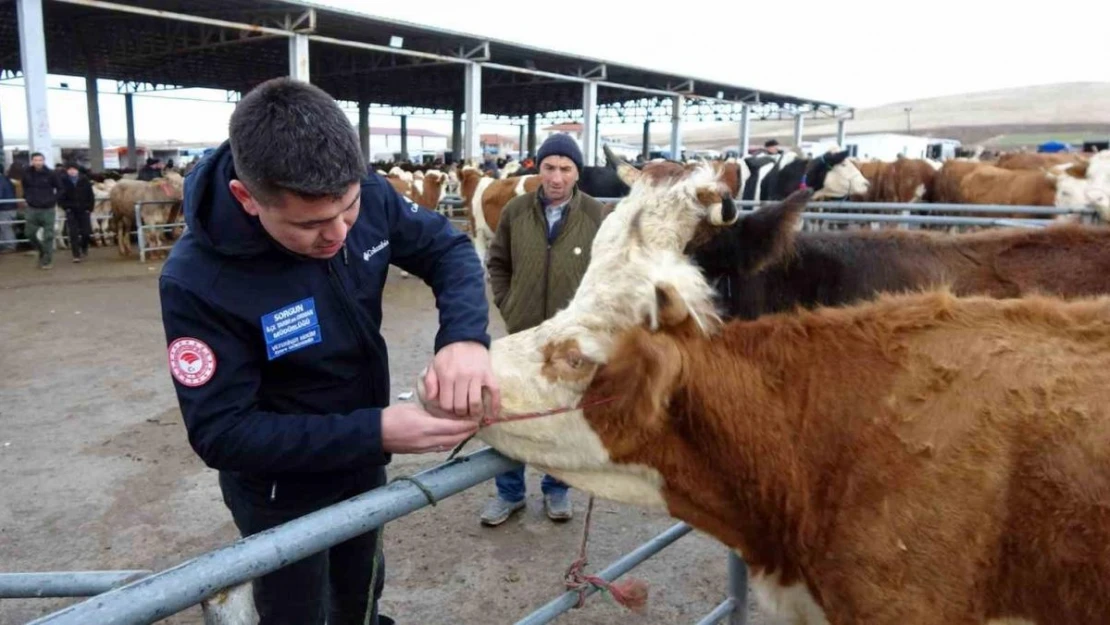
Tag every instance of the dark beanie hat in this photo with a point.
(562, 145)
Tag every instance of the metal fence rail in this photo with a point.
(63, 583)
(928, 207)
(191, 582)
(140, 227)
(566, 601)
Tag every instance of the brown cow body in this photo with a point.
(905, 180)
(947, 183)
(987, 184)
(921, 459)
(1036, 160)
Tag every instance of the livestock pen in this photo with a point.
(140, 596)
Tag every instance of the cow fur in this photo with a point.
(760, 265)
(1036, 160)
(905, 180)
(126, 193)
(920, 459)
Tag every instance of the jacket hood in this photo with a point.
(214, 216)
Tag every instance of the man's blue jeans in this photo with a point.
(510, 485)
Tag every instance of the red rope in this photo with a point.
(631, 593)
(487, 421)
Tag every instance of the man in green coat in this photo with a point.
(536, 260)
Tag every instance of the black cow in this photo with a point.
(762, 265)
(776, 176)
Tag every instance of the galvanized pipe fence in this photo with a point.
(119, 598)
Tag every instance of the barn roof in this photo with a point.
(145, 52)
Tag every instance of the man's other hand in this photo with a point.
(409, 429)
(456, 378)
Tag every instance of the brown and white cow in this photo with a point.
(920, 459)
(485, 198)
(905, 180)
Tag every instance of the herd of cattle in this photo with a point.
(1073, 181)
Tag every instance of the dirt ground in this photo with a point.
(98, 474)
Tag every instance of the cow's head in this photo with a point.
(612, 446)
(834, 175)
(1075, 190)
(638, 247)
(436, 179)
(756, 240)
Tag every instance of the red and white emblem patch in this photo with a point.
(192, 361)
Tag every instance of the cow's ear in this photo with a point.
(1077, 170)
(767, 235)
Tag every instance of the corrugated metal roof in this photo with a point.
(148, 49)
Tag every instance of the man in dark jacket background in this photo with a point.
(78, 200)
(272, 307)
(41, 190)
(537, 258)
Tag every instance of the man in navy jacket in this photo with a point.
(271, 304)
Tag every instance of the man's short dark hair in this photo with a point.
(34, 154)
(289, 135)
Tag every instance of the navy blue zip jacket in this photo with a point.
(278, 360)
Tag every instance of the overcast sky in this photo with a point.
(855, 52)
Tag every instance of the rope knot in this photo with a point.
(631, 593)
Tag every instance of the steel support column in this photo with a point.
(364, 129)
(840, 136)
(589, 123)
(129, 114)
(472, 147)
(3, 154)
(676, 128)
(298, 57)
(798, 124)
(404, 137)
(32, 55)
(520, 144)
(646, 149)
(745, 129)
(532, 135)
(456, 134)
(92, 103)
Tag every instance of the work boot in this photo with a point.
(497, 511)
(557, 505)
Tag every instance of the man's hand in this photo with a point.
(457, 376)
(409, 429)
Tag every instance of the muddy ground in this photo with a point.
(97, 472)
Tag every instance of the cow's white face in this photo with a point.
(1080, 193)
(550, 366)
(844, 180)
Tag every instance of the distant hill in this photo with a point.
(1001, 118)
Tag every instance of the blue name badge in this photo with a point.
(290, 328)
